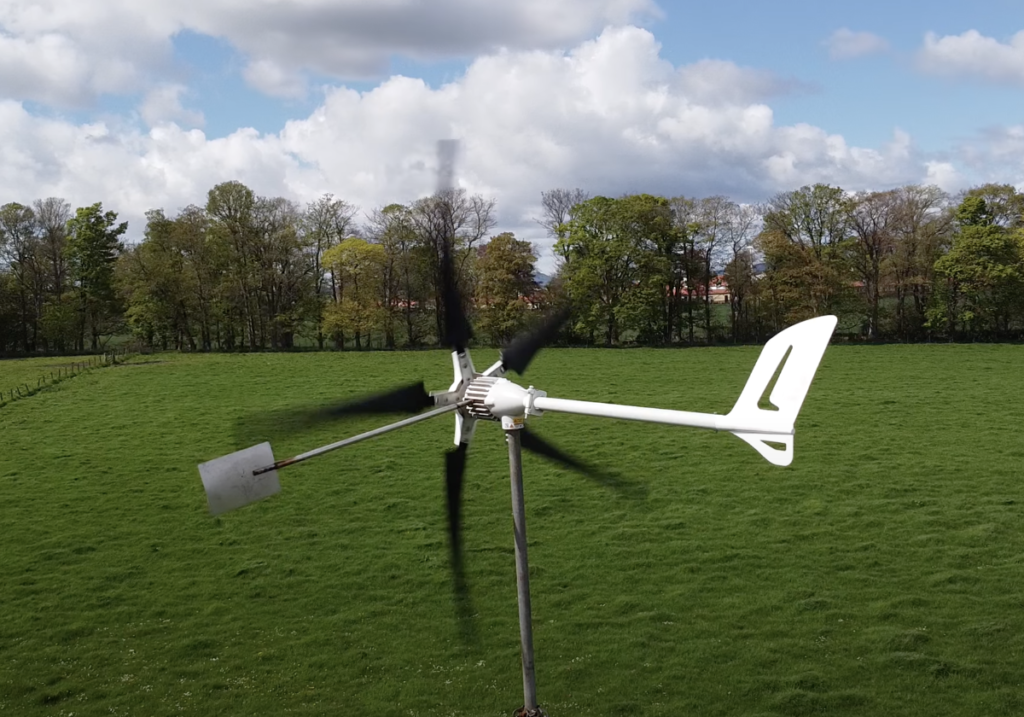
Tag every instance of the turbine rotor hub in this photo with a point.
(476, 394)
(491, 398)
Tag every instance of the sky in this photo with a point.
(149, 105)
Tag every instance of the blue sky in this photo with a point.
(145, 106)
(862, 98)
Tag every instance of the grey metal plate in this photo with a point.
(229, 481)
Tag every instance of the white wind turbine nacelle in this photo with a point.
(797, 351)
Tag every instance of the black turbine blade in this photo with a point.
(405, 399)
(517, 356)
(456, 325)
(535, 444)
(267, 424)
(455, 467)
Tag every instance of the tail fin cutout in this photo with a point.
(798, 350)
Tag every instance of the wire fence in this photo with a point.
(68, 371)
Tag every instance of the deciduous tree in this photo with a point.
(982, 274)
(358, 269)
(93, 246)
(451, 221)
(326, 222)
(505, 286)
(19, 251)
(802, 240)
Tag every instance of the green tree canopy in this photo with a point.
(983, 273)
(94, 242)
(506, 285)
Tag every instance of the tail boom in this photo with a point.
(792, 355)
(712, 421)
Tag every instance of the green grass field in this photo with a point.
(26, 376)
(881, 573)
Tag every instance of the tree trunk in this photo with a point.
(439, 319)
(689, 314)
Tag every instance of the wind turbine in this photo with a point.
(791, 357)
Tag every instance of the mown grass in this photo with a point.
(880, 574)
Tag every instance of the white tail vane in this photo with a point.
(793, 355)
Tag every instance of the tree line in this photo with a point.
(908, 264)
(246, 272)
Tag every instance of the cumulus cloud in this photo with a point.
(845, 44)
(944, 175)
(974, 55)
(66, 52)
(163, 104)
(611, 116)
(54, 69)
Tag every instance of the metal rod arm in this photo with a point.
(711, 421)
(356, 439)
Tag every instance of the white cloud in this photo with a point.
(1007, 142)
(974, 55)
(163, 104)
(271, 79)
(53, 69)
(845, 44)
(945, 176)
(66, 52)
(611, 116)
(996, 154)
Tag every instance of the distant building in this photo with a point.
(719, 292)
